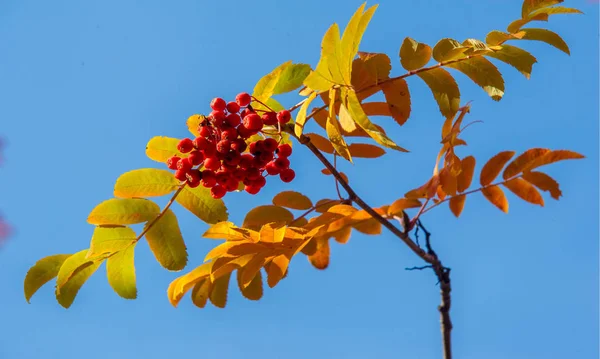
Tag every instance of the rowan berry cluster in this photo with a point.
(220, 157)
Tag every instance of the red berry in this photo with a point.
(206, 131)
(232, 159)
(229, 134)
(218, 104)
(282, 163)
(185, 145)
(233, 119)
(246, 161)
(217, 192)
(208, 178)
(266, 156)
(253, 122)
(270, 144)
(210, 150)
(238, 145)
(212, 163)
(232, 184)
(181, 175)
(252, 189)
(200, 143)
(233, 107)
(243, 99)
(252, 173)
(284, 150)
(193, 178)
(223, 146)
(259, 163)
(184, 164)
(245, 112)
(269, 118)
(253, 148)
(239, 174)
(172, 162)
(284, 117)
(196, 158)
(287, 175)
(218, 115)
(222, 177)
(244, 132)
(272, 169)
(260, 182)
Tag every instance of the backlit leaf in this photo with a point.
(347, 124)
(343, 235)
(365, 150)
(496, 37)
(376, 109)
(320, 142)
(254, 290)
(291, 78)
(161, 148)
(327, 72)
(523, 161)
(554, 156)
(494, 166)
(377, 66)
(110, 240)
(397, 97)
(543, 182)
(447, 50)
(183, 284)
(465, 177)
(320, 259)
(227, 231)
(496, 196)
(448, 181)
(201, 292)
(120, 271)
(516, 57)
(525, 190)
(261, 215)
(532, 5)
(277, 269)
(325, 204)
(123, 211)
(484, 74)
(540, 15)
(166, 242)
(42, 272)
(272, 233)
(548, 37)
(444, 89)
(334, 131)
(74, 272)
(414, 54)
(352, 36)
(301, 116)
(193, 122)
(218, 295)
(148, 182)
(457, 203)
(401, 204)
(475, 47)
(200, 202)
(265, 87)
(293, 200)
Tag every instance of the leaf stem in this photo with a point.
(162, 213)
(314, 208)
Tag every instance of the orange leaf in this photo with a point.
(277, 269)
(310, 248)
(261, 215)
(343, 235)
(320, 142)
(428, 190)
(293, 200)
(495, 195)
(320, 259)
(401, 204)
(398, 99)
(254, 290)
(466, 175)
(525, 190)
(218, 295)
(325, 204)
(201, 292)
(523, 161)
(543, 182)
(554, 156)
(492, 168)
(376, 109)
(448, 181)
(457, 204)
(365, 150)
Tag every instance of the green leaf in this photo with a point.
(516, 57)
(444, 89)
(334, 132)
(352, 36)
(397, 97)
(414, 54)
(147, 182)
(107, 240)
(447, 50)
(291, 78)
(484, 74)
(301, 116)
(123, 211)
(327, 73)
(74, 272)
(160, 148)
(548, 37)
(359, 116)
(261, 215)
(42, 272)
(199, 201)
(120, 271)
(166, 242)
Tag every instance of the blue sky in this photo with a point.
(86, 84)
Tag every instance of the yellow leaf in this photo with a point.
(352, 36)
(516, 57)
(525, 190)
(401, 204)
(42, 272)
(227, 231)
(244, 248)
(218, 295)
(320, 259)
(166, 243)
(261, 215)
(193, 122)
(293, 200)
(532, 5)
(265, 87)
(376, 109)
(220, 250)
(369, 226)
(320, 142)
(457, 203)
(496, 196)
(334, 131)
(414, 54)
(466, 175)
(277, 269)
(523, 161)
(201, 292)
(251, 268)
(160, 149)
(254, 290)
(148, 182)
(200, 202)
(543, 182)
(73, 273)
(398, 99)
(120, 271)
(183, 284)
(492, 168)
(123, 211)
(327, 73)
(310, 248)
(325, 204)
(343, 235)
(447, 50)
(484, 74)
(272, 232)
(475, 47)
(444, 89)
(347, 124)
(110, 240)
(301, 116)
(541, 14)
(496, 37)
(365, 150)
(548, 37)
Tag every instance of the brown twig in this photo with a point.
(162, 213)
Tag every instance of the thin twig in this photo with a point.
(337, 185)
(314, 208)
(162, 213)
(419, 268)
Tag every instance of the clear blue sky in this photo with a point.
(85, 84)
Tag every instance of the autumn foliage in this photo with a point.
(335, 102)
